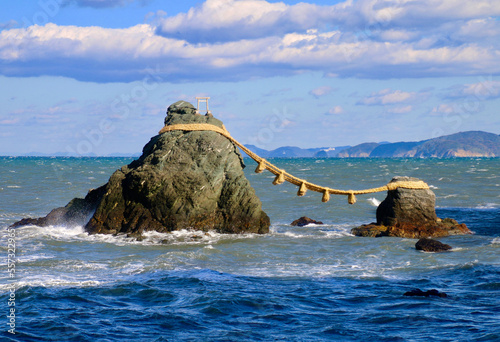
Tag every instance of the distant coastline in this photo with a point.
(463, 144)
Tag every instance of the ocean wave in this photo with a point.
(373, 201)
(51, 281)
(77, 233)
(488, 206)
(33, 257)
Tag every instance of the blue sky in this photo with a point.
(96, 76)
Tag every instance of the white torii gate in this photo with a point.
(202, 99)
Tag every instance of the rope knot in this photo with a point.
(261, 167)
(280, 179)
(351, 198)
(326, 196)
(302, 190)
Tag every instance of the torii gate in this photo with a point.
(202, 99)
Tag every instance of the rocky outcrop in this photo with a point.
(430, 245)
(304, 221)
(410, 213)
(76, 213)
(183, 179)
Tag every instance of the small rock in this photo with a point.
(304, 221)
(430, 245)
(428, 293)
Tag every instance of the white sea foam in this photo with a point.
(433, 187)
(51, 281)
(373, 201)
(77, 233)
(33, 257)
(495, 241)
(488, 206)
(13, 186)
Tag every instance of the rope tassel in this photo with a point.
(351, 198)
(302, 190)
(261, 167)
(326, 196)
(280, 179)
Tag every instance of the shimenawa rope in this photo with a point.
(282, 175)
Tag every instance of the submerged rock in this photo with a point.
(184, 179)
(409, 213)
(428, 293)
(304, 221)
(430, 245)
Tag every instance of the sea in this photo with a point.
(312, 283)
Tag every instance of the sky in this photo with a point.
(96, 76)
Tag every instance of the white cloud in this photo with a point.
(400, 109)
(236, 40)
(335, 111)
(387, 97)
(321, 91)
(486, 89)
(224, 20)
(443, 109)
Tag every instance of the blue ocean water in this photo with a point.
(313, 283)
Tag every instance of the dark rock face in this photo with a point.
(304, 221)
(410, 213)
(430, 245)
(76, 213)
(184, 179)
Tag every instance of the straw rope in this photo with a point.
(282, 175)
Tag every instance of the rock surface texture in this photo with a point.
(183, 180)
(304, 221)
(430, 245)
(410, 213)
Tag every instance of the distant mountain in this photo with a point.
(297, 152)
(463, 144)
(361, 150)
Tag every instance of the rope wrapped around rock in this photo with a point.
(282, 175)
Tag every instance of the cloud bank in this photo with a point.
(228, 40)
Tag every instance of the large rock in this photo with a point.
(184, 179)
(416, 206)
(410, 213)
